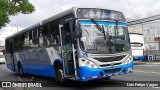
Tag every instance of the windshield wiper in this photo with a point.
(97, 25)
(104, 32)
(101, 29)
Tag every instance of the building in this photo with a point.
(151, 33)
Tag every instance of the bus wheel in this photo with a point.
(107, 78)
(59, 74)
(20, 70)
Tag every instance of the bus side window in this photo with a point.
(22, 41)
(18, 46)
(34, 42)
(55, 37)
(44, 37)
(30, 39)
(7, 46)
(40, 37)
(26, 41)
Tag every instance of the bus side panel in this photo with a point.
(42, 70)
(39, 61)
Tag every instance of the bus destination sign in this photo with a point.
(90, 13)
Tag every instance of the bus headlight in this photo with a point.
(89, 63)
(128, 60)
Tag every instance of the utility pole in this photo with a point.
(16, 26)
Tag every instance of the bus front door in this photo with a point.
(68, 51)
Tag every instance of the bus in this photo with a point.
(78, 44)
(137, 45)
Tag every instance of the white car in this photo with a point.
(2, 59)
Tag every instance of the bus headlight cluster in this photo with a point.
(89, 63)
(128, 60)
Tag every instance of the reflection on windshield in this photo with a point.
(119, 38)
(93, 41)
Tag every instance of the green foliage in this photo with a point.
(13, 7)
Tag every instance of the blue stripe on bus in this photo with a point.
(37, 69)
(106, 22)
(85, 71)
(42, 70)
(48, 70)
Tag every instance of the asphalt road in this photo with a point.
(142, 72)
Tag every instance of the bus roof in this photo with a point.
(52, 18)
(66, 12)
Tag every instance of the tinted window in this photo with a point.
(55, 37)
(18, 44)
(44, 36)
(26, 41)
(34, 39)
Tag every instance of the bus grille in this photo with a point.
(106, 65)
(110, 59)
(112, 71)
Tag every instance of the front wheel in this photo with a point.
(20, 71)
(59, 74)
(107, 78)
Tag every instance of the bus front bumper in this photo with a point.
(87, 74)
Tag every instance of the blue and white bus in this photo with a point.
(78, 44)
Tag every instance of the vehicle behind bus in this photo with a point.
(78, 44)
(2, 58)
(137, 46)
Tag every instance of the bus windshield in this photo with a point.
(115, 39)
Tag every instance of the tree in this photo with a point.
(13, 7)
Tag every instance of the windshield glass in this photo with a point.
(115, 39)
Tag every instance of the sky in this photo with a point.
(132, 9)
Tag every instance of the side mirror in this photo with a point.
(78, 32)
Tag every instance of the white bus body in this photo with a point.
(137, 45)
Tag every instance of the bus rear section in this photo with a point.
(137, 46)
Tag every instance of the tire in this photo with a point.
(107, 78)
(20, 70)
(59, 74)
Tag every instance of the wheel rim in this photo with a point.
(60, 75)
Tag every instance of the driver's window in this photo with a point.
(111, 31)
(114, 31)
(120, 31)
